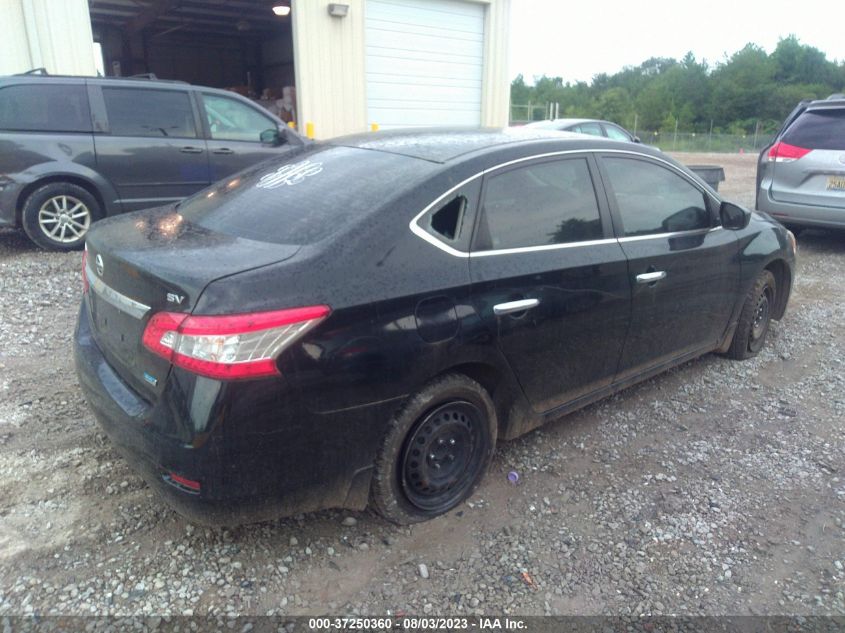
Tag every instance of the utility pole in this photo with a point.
(636, 116)
(756, 129)
(675, 139)
(710, 135)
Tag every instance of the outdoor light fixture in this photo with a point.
(338, 10)
(281, 10)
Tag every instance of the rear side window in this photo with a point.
(652, 199)
(45, 108)
(142, 112)
(818, 129)
(538, 205)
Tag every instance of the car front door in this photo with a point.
(550, 278)
(683, 268)
(151, 148)
(234, 134)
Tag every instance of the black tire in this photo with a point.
(449, 426)
(58, 215)
(750, 335)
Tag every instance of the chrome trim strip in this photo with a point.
(113, 297)
(654, 236)
(420, 232)
(544, 247)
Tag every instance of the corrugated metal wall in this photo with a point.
(54, 34)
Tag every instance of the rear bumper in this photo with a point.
(800, 214)
(9, 193)
(255, 462)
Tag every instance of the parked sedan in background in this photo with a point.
(594, 127)
(361, 321)
(801, 174)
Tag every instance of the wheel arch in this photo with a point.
(783, 286)
(499, 384)
(74, 179)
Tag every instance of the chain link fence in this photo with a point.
(670, 141)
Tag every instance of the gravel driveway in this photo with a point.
(717, 488)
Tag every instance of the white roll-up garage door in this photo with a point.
(424, 61)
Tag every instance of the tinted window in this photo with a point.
(305, 196)
(547, 203)
(45, 108)
(232, 120)
(652, 199)
(615, 133)
(593, 129)
(818, 129)
(161, 113)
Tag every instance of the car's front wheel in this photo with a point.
(753, 326)
(436, 451)
(58, 215)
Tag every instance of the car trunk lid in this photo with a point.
(151, 262)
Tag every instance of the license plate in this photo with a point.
(836, 183)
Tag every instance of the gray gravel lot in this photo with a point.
(717, 488)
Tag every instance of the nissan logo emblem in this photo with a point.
(98, 262)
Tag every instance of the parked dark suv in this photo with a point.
(76, 149)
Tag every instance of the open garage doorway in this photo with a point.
(242, 45)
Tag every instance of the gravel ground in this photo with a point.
(717, 488)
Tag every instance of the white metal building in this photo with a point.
(394, 63)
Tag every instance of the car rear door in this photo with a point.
(683, 267)
(233, 129)
(150, 146)
(810, 168)
(550, 278)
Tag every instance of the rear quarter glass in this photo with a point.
(818, 129)
(304, 197)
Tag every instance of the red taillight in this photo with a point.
(184, 482)
(229, 347)
(782, 152)
(85, 270)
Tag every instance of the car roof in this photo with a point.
(441, 145)
(833, 101)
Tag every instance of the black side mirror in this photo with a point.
(271, 137)
(637, 139)
(733, 216)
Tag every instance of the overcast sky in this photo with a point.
(576, 40)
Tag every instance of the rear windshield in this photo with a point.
(303, 198)
(818, 129)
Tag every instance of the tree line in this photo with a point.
(750, 90)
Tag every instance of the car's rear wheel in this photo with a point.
(58, 216)
(753, 326)
(436, 451)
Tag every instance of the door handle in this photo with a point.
(650, 278)
(223, 150)
(515, 306)
(191, 150)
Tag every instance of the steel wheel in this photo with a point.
(64, 218)
(443, 456)
(761, 315)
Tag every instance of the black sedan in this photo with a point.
(360, 322)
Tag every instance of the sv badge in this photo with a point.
(172, 297)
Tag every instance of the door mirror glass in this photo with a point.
(271, 137)
(733, 216)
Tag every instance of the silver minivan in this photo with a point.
(801, 174)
